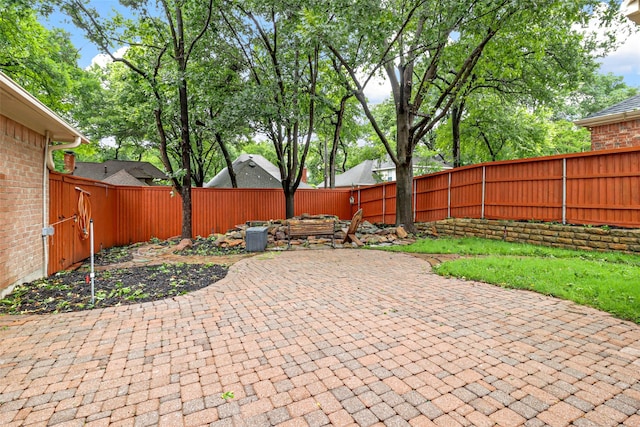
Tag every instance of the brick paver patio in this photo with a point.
(325, 337)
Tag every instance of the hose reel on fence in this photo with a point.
(84, 213)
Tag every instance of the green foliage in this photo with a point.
(436, 53)
(594, 94)
(228, 395)
(493, 129)
(536, 70)
(69, 291)
(40, 60)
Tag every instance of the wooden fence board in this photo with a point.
(601, 188)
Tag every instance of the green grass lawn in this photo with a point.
(607, 281)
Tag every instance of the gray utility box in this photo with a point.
(256, 239)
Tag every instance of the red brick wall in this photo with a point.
(21, 168)
(617, 135)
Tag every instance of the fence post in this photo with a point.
(415, 199)
(484, 176)
(564, 190)
(384, 202)
(449, 197)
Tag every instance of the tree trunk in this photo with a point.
(185, 137)
(289, 203)
(186, 212)
(336, 140)
(227, 160)
(325, 160)
(404, 196)
(456, 116)
(404, 173)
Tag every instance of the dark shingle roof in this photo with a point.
(630, 104)
(122, 177)
(100, 171)
(360, 174)
(252, 171)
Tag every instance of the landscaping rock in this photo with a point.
(367, 234)
(184, 244)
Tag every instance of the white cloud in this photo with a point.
(109, 141)
(625, 61)
(378, 89)
(102, 60)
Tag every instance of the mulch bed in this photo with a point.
(71, 290)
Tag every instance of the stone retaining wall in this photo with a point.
(556, 235)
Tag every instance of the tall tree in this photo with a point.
(551, 62)
(282, 81)
(115, 113)
(338, 125)
(217, 99)
(429, 51)
(160, 44)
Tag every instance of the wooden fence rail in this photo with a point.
(598, 188)
(124, 215)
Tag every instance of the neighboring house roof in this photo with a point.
(122, 177)
(629, 109)
(432, 164)
(361, 174)
(143, 171)
(22, 107)
(366, 173)
(252, 171)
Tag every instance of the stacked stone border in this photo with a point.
(547, 234)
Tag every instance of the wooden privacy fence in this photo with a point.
(124, 215)
(598, 188)
(66, 246)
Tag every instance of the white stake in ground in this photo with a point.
(92, 274)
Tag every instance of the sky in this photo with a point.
(625, 61)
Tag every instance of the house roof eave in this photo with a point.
(20, 106)
(608, 119)
(631, 8)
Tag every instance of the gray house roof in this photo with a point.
(252, 171)
(122, 177)
(369, 171)
(142, 171)
(420, 165)
(628, 109)
(361, 174)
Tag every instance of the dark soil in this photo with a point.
(71, 291)
(113, 255)
(206, 246)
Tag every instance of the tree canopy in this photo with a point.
(202, 81)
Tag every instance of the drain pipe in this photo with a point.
(46, 167)
(51, 148)
(45, 210)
